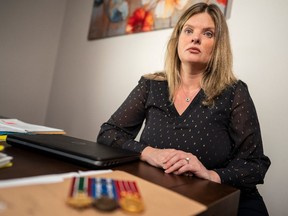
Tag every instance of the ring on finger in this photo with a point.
(187, 159)
(188, 174)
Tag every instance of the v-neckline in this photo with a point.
(192, 103)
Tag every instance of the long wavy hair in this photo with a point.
(218, 73)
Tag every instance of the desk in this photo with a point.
(220, 199)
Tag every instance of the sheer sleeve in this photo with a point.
(247, 164)
(124, 125)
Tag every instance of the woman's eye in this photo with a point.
(188, 31)
(209, 34)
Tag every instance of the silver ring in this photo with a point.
(187, 159)
(188, 174)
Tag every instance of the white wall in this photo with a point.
(29, 35)
(92, 78)
(260, 50)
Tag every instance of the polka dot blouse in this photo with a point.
(225, 138)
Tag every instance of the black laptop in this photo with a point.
(81, 151)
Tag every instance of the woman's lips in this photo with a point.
(194, 50)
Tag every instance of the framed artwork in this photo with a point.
(121, 17)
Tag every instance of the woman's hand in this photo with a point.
(180, 162)
(155, 157)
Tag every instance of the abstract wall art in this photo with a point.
(121, 17)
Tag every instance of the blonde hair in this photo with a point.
(218, 74)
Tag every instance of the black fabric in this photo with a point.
(252, 205)
(225, 137)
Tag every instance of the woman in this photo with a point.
(199, 119)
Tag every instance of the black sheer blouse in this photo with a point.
(225, 138)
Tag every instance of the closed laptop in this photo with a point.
(77, 150)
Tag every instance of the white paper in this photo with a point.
(4, 159)
(15, 125)
(48, 179)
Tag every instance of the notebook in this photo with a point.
(77, 150)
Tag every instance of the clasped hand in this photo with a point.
(178, 162)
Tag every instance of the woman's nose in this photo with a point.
(196, 40)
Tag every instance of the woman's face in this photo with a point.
(196, 40)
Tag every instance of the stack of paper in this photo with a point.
(5, 160)
(16, 126)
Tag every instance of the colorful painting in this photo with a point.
(121, 17)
